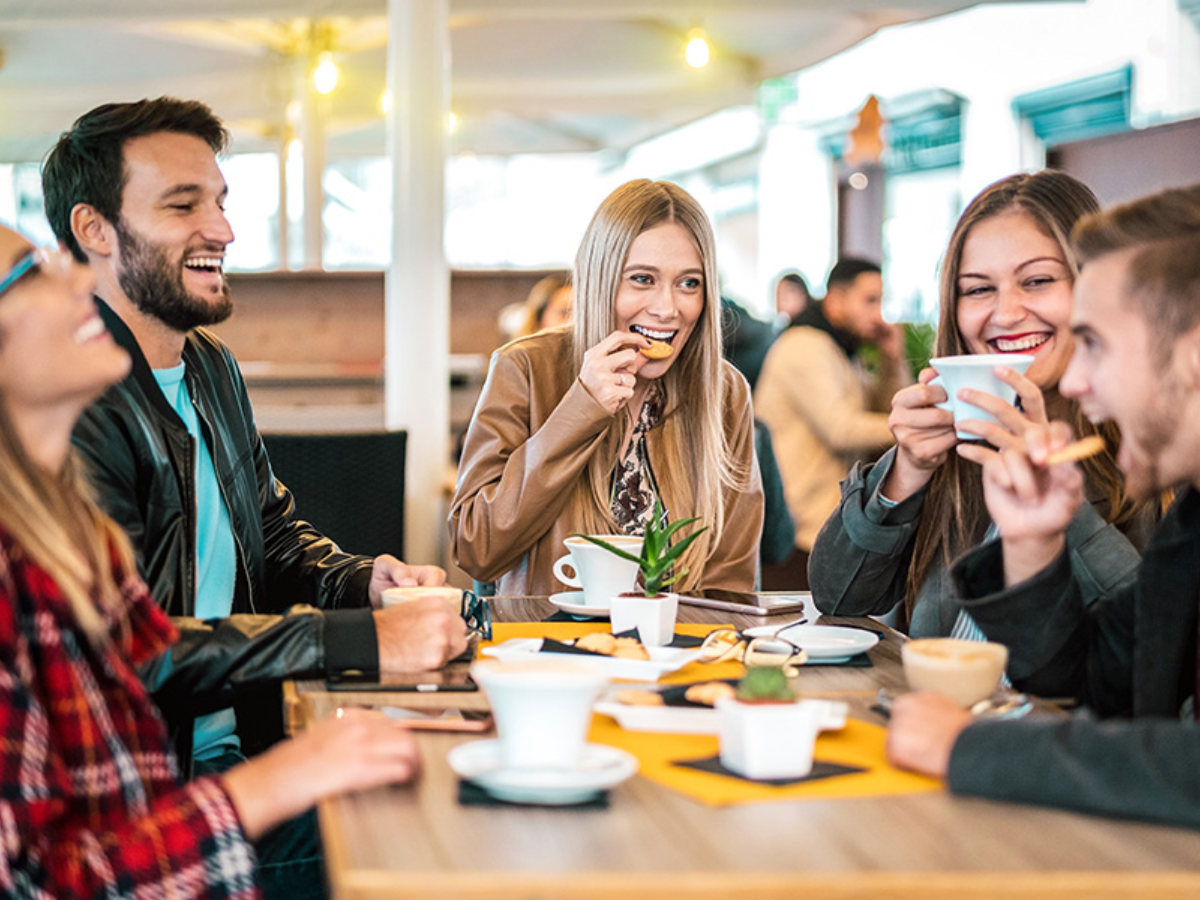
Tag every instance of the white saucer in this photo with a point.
(824, 641)
(572, 602)
(698, 720)
(662, 659)
(601, 768)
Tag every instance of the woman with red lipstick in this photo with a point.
(91, 799)
(1006, 284)
(578, 430)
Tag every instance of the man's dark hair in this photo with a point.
(87, 164)
(847, 269)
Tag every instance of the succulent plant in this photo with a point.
(765, 684)
(658, 555)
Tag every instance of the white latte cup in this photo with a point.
(964, 671)
(394, 596)
(600, 573)
(542, 710)
(978, 372)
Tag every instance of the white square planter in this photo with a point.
(768, 740)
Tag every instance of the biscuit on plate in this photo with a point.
(640, 698)
(599, 642)
(709, 692)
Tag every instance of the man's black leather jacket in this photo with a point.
(142, 462)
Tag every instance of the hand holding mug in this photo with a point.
(1008, 423)
(924, 433)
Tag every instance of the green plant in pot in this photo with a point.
(765, 684)
(659, 555)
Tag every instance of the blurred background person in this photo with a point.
(824, 410)
(792, 296)
(551, 302)
(579, 431)
(1006, 285)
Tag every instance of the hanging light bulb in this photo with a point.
(385, 102)
(325, 75)
(451, 122)
(697, 50)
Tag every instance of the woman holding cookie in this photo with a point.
(580, 430)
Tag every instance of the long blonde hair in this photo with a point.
(697, 463)
(954, 515)
(54, 521)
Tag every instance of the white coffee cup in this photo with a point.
(542, 710)
(653, 617)
(394, 596)
(600, 573)
(978, 372)
(964, 671)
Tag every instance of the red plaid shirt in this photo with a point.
(90, 797)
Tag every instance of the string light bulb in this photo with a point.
(326, 73)
(697, 52)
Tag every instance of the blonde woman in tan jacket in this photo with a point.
(578, 431)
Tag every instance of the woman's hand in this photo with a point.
(1013, 421)
(1032, 503)
(924, 436)
(348, 752)
(610, 369)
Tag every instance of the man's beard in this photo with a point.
(1152, 433)
(155, 286)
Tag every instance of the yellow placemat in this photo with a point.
(859, 744)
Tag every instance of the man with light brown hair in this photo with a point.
(1131, 658)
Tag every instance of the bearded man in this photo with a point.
(134, 189)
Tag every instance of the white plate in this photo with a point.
(572, 602)
(823, 641)
(601, 768)
(696, 720)
(662, 659)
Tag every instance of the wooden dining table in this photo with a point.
(417, 840)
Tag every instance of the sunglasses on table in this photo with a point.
(477, 613)
(39, 259)
(729, 644)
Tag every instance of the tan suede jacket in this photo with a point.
(534, 429)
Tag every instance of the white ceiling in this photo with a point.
(527, 75)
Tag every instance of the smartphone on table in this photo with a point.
(455, 676)
(750, 603)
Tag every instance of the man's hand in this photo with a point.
(1031, 503)
(388, 571)
(418, 636)
(922, 732)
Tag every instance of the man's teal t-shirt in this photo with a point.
(216, 556)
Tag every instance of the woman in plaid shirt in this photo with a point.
(90, 796)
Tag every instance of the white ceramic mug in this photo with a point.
(653, 617)
(394, 596)
(600, 573)
(964, 671)
(542, 710)
(978, 372)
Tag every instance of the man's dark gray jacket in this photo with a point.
(141, 460)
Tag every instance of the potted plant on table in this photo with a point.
(765, 731)
(652, 610)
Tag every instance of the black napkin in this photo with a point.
(820, 771)
(859, 661)
(471, 794)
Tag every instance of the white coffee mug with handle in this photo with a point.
(599, 572)
(978, 372)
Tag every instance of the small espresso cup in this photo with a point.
(394, 596)
(599, 572)
(964, 671)
(978, 372)
(542, 710)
